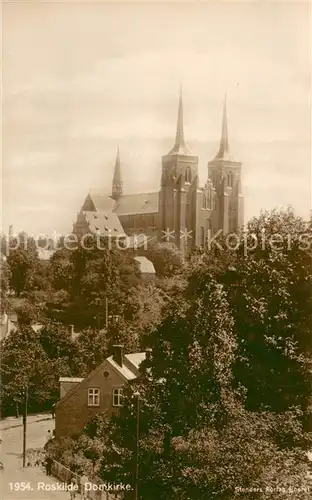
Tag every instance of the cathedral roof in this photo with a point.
(142, 203)
(104, 223)
(97, 201)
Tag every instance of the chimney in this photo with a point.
(148, 354)
(118, 354)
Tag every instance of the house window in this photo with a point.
(188, 175)
(93, 397)
(117, 397)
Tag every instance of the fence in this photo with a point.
(66, 475)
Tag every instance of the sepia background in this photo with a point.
(79, 78)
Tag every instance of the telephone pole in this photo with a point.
(137, 396)
(106, 312)
(25, 423)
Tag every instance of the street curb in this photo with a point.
(28, 423)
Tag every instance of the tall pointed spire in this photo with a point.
(117, 182)
(180, 146)
(224, 152)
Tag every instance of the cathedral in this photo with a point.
(181, 212)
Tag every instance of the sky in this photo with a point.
(79, 79)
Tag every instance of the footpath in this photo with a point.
(11, 422)
(29, 483)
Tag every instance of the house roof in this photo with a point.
(45, 254)
(71, 379)
(136, 358)
(105, 223)
(145, 265)
(36, 327)
(142, 203)
(3, 257)
(123, 370)
(129, 370)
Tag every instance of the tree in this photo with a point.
(92, 278)
(92, 345)
(61, 270)
(36, 359)
(241, 462)
(229, 373)
(184, 386)
(28, 312)
(4, 286)
(23, 364)
(270, 296)
(167, 259)
(21, 264)
(268, 281)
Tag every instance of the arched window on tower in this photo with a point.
(203, 236)
(209, 199)
(214, 202)
(188, 175)
(204, 201)
(230, 179)
(209, 227)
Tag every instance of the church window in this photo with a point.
(202, 236)
(204, 201)
(230, 179)
(188, 174)
(209, 199)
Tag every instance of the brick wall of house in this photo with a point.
(72, 413)
(67, 386)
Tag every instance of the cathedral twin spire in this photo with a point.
(179, 148)
(224, 152)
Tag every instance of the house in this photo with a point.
(8, 323)
(44, 254)
(146, 268)
(101, 390)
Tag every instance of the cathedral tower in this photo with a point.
(179, 182)
(225, 175)
(117, 182)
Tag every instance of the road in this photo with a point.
(13, 475)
